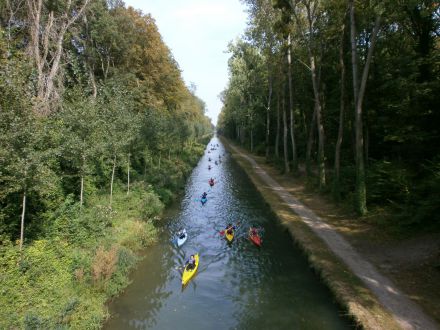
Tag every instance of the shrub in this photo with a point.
(387, 182)
(151, 205)
(165, 195)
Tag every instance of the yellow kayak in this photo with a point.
(188, 274)
(229, 236)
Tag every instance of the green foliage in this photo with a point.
(390, 180)
(118, 103)
(400, 117)
(75, 225)
(422, 207)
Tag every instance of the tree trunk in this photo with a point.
(252, 139)
(81, 195)
(311, 19)
(269, 99)
(112, 179)
(146, 160)
(81, 198)
(93, 81)
(360, 189)
(286, 155)
(316, 92)
(341, 119)
(367, 140)
(277, 137)
(354, 63)
(310, 141)
(128, 175)
(23, 212)
(291, 106)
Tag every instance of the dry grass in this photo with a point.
(104, 264)
(79, 274)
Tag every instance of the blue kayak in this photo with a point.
(204, 200)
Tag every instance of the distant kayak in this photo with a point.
(254, 237)
(189, 273)
(211, 183)
(204, 200)
(229, 235)
(182, 238)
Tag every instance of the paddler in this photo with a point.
(229, 228)
(191, 263)
(253, 231)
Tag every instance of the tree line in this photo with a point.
(89, 95)
(98, 132)
(345, 93)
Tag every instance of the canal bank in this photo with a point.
(369, 297)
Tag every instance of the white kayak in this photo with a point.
(182, 238)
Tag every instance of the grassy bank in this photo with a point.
(358, 302)
(63, 278)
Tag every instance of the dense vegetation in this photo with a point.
(97, 133)
(345, 93)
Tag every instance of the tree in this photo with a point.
(359, 92)
(49, 22)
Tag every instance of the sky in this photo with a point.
(198, 33)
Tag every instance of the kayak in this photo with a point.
(254, 237)
(204, 200)
(229, 237)
(182, 240)
(188, 274)
(211, 183)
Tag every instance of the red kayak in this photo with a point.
(255, 238)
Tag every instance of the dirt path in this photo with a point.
(407, 313)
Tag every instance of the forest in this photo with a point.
(345, 95)
(98, 133)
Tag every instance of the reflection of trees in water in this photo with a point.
(279, 289)
(139, 311)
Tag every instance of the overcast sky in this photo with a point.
(198, 32)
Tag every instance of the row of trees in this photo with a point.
(349, 90)
(89, 95)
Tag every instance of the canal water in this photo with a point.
(238, 285)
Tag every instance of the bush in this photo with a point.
(387, 182)
(166, 196)
(71, 223)
(423, 204)
(151, 205)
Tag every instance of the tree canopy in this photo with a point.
(356, 84)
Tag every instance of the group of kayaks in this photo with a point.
(215, 162)
(190, 268)
(253, 235)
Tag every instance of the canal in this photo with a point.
(238, 285)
